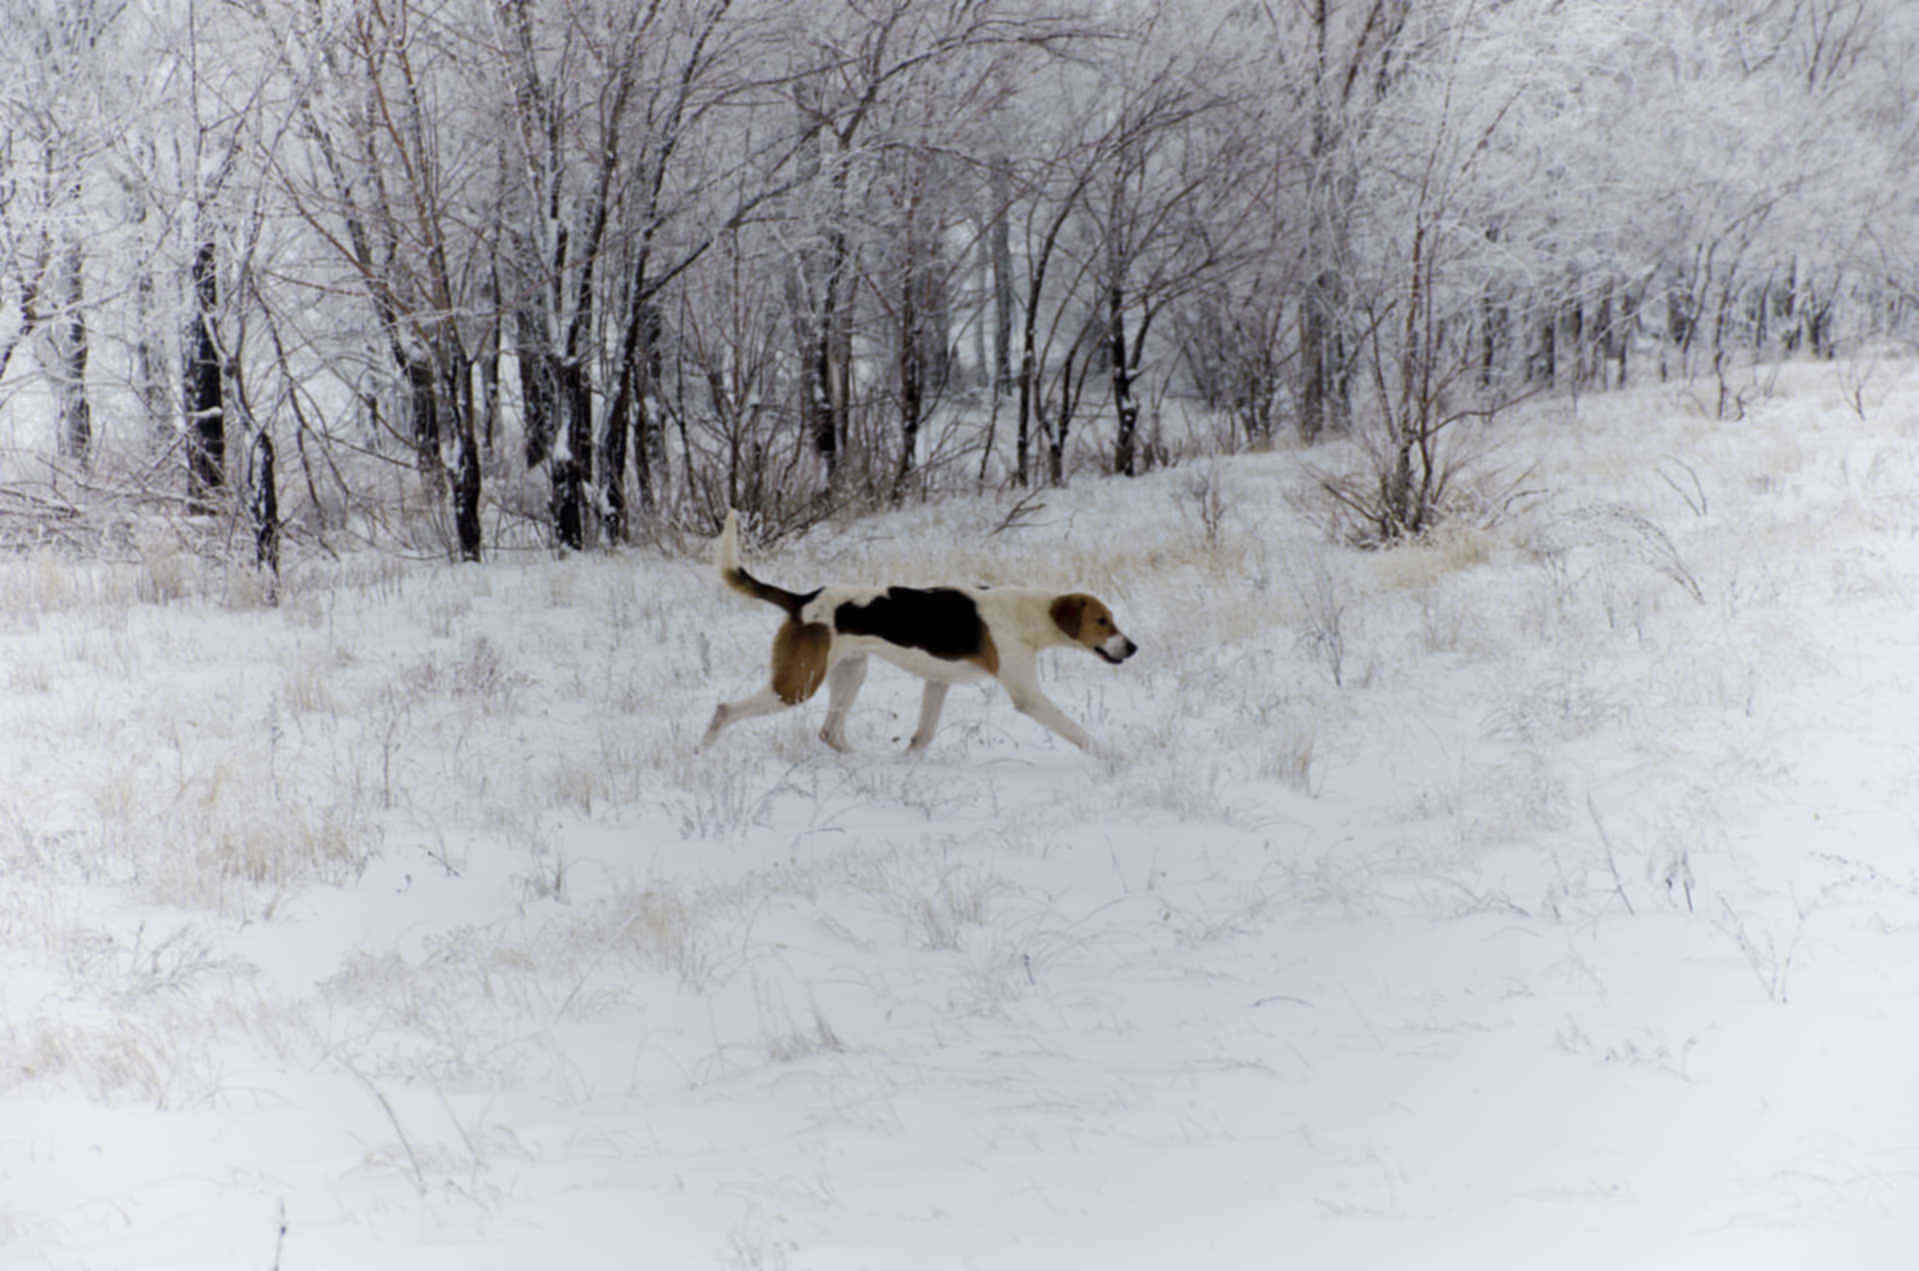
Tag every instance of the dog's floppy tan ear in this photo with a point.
(1067, 613)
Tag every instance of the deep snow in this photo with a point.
(1576, 924)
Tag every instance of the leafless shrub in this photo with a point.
(482, 675)
(1620, 530)
(1324, 629)
(1406, 488)
(1021, 511)
(1856, 375)
(1769, 957)
(1203, 495)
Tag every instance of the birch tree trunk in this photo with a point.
(76, 412)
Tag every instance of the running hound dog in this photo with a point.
(945, 635)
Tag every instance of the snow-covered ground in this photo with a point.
(1541, 896)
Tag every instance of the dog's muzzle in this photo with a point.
(1117, 649)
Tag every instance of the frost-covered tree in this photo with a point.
(668, 253)
(383, 168)
(56, 122)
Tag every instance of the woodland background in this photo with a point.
(483, 274)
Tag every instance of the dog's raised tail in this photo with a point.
(726, 553)
(726, 556)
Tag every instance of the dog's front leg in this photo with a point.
(930, 703)
(1038, 706)
(1022, 685)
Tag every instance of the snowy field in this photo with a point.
(1545, 895)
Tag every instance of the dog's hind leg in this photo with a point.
(930, 703)
(842, 687)
(765, 702)
(799, 665)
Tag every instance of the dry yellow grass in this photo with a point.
(1240, 616)
(294, 844)
(226, 827)
(1445, 549)
(249, 588)
(576, 785)
(38, 582)
(306, 690)
(108, 1060)
(654, 925)
(116, 800)
(51, 588)
(163, 567)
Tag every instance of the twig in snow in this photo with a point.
(1618, 884)
(413, 1160)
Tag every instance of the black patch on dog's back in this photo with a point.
(944, 621)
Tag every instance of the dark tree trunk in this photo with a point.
(1031, 391)
(454, 412)
(1125, 408)
(263, 503)
(1062, 421)
(466, 495)
(537, 389)
(617, 429)
(912, 377)
(1315, 303)
(614, 430)
(1492, 320)
(201, 384)
(466, 499)
(917, 321)
(1546, 362)
(1628, 320)
(825, 319)
(489, 369)
(1576, 338)
(1819, 328)
(1029, 370)
(1788, 313)
(423, 417)
(571, 466)
(1603, 336)
(1023, 440)
(1489, 323)
(76, 413)
(827, 395)
(1312, 365)
(630, 423)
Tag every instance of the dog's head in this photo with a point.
(1084, 620)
